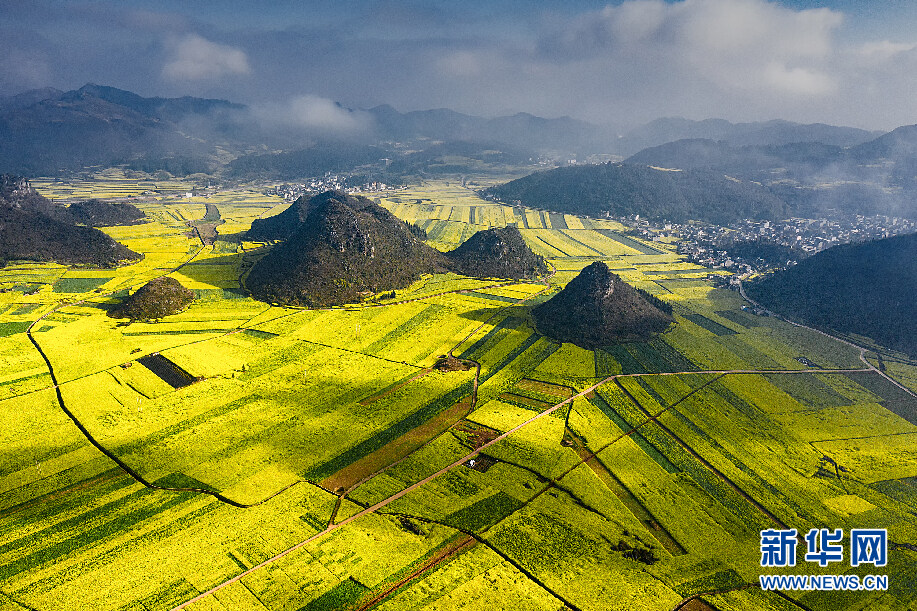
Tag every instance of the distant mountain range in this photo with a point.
(48, 131)
(874, 177)
(868, 289)
(522, 130)
(762, 133)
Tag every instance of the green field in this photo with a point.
(323, 451)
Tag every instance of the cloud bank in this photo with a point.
(620, 64)
(195, 58)
(313, 114)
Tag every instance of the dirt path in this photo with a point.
(385, 502)
(465, 542)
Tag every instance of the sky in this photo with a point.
(623, 63)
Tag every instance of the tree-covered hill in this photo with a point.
(34, 229)
(597, 308)
(349, 246)
(500, 252)
(624, 189)
(868, 288)
(96, 213)
(157, 298)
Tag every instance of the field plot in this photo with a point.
(326, 444)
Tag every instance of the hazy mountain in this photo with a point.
(313, 161)
(27, 98)
(349, 246)
(766, 133)
(45, 131)
(868, 289)
(598, 308)
(521, 130)
(799, 159)
(874, 177)
(623, 189)
(900, 142)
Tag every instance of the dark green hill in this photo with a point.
(313, 161)
(598, 308)
(349, 246)
(30, 229)
(282, 226)
(869, 289)
(96, 213)
(157, 298)
(624, 189)
(497, 253)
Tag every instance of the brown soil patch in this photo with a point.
(698, 604)
(456, 547)
(481, 463)
(475, 435)
(397, 449)
(450, 363)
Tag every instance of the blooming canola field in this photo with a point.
(318, 459)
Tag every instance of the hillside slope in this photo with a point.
(500, 252)
(598, 308)
(869, 289)
(623, 189)
(30, 229)
(349, 246)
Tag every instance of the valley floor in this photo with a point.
(321, 461)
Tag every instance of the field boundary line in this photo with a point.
(391, 499)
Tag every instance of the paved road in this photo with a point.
(843, 341)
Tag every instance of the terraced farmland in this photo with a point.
(319, 460)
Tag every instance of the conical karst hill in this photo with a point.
(500, 252)
(598, 308)
(157, 298)
(345, 247)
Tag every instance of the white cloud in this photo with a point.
(737, 45)
(883, 50)
(195, 58)
(798, 81)
(461, 64)
(315, 114)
